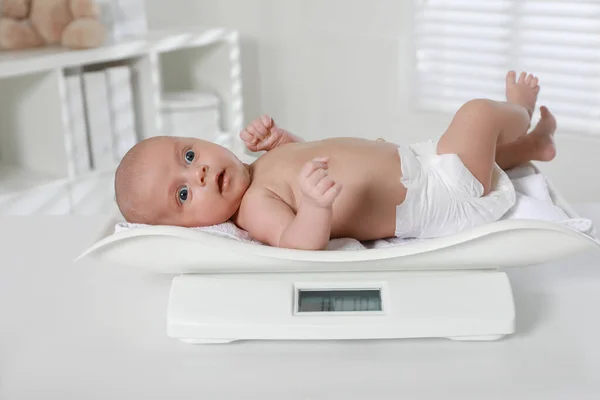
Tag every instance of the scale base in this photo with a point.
(485, 338)
(206, 341)
(460, 305)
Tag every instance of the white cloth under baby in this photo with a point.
(443, 197)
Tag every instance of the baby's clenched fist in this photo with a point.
(262, 134)
(316, 185)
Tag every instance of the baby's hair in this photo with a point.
(128, 177)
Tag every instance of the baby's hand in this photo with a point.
(262, 134)
(316, 185)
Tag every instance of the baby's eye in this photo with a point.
(182, 194)
(189, 156)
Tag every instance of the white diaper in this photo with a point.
(443, 197)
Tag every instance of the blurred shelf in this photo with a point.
(162, 41)
(15, 63)
(194, 99)
(16, 180)
(24, 192)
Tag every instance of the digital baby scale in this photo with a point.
(340, 306)
(227, 290)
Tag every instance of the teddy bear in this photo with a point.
(73, 24)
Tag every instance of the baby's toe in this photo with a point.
(522, 77)
(511, 77)
(534, 82)
(528, 79)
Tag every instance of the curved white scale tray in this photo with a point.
(501, 244)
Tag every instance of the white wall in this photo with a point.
(343, 68)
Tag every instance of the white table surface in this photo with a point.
(94, 331)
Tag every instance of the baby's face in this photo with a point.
(191, 182)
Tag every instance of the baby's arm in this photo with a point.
(287, 137)
(270, 220)
(264, 135)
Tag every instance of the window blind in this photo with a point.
(464, 49)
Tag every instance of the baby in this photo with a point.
(302, 194)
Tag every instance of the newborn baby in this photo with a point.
(302, 194)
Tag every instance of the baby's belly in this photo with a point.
(365, 226)
(370, 174)
(367, 216)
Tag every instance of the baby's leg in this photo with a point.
(537, 146)
(481, 124)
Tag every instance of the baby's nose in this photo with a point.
(201, 174)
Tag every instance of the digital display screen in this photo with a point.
(346, 300)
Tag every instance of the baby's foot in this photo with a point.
(524, 91)
(542, 137)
